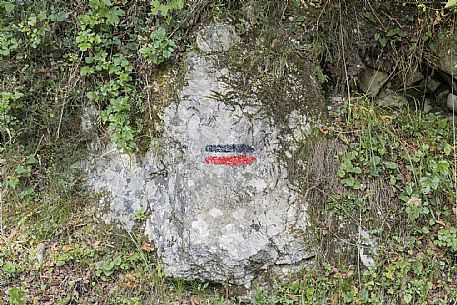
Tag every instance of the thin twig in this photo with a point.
(454, 133)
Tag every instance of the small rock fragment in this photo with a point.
(430, 84)
(412, 77)
(40, 253)
(452, 102)
(441, 98)
(366, 242)
(427, 106)
(371, 81)
(390, 98)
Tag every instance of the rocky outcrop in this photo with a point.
(220, 201)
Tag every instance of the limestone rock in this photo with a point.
(452, 102)
(209, 220)
(216, 38)
(371, 81)
(366, 246)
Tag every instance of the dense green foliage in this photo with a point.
(90, 53)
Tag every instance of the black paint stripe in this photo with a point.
(227, 148)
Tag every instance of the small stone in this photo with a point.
(337, 99)
(40, 253)
(412, 77)
(427, 106)
(430, 84)
(217, 38)
(371, 81)
(452, 102)
(366, 243)
(441, 98)
(390, 98)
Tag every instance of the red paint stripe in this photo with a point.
(231, 161)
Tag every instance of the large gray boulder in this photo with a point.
(220, 199)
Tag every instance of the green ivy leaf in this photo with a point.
(8, 6)
(31, 159)
(351, 182)
(451, 3)
(375, 160)
(391, 165)
(341, 172)
(395, 32)
(16, 296)
(13, 181)
(117, 261)
(86, 70)
(112, 15)
(21, 170)
(407, 298)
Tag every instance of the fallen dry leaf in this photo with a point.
(274, 43)
(324, 130)
(385, 118)
(343, 138)
(440, 222)
(194, 301)
(414, 201)
(147, 247)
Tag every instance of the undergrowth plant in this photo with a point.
(411, 154)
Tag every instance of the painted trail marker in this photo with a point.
(241, 156)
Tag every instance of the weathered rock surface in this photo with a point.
(447, 54)
(366, 246)
(390, 98)
(207, 220)
(441, 98)
(430, 84)
(427, 107)
(413, 76)
(371, 81)
(452, 102)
